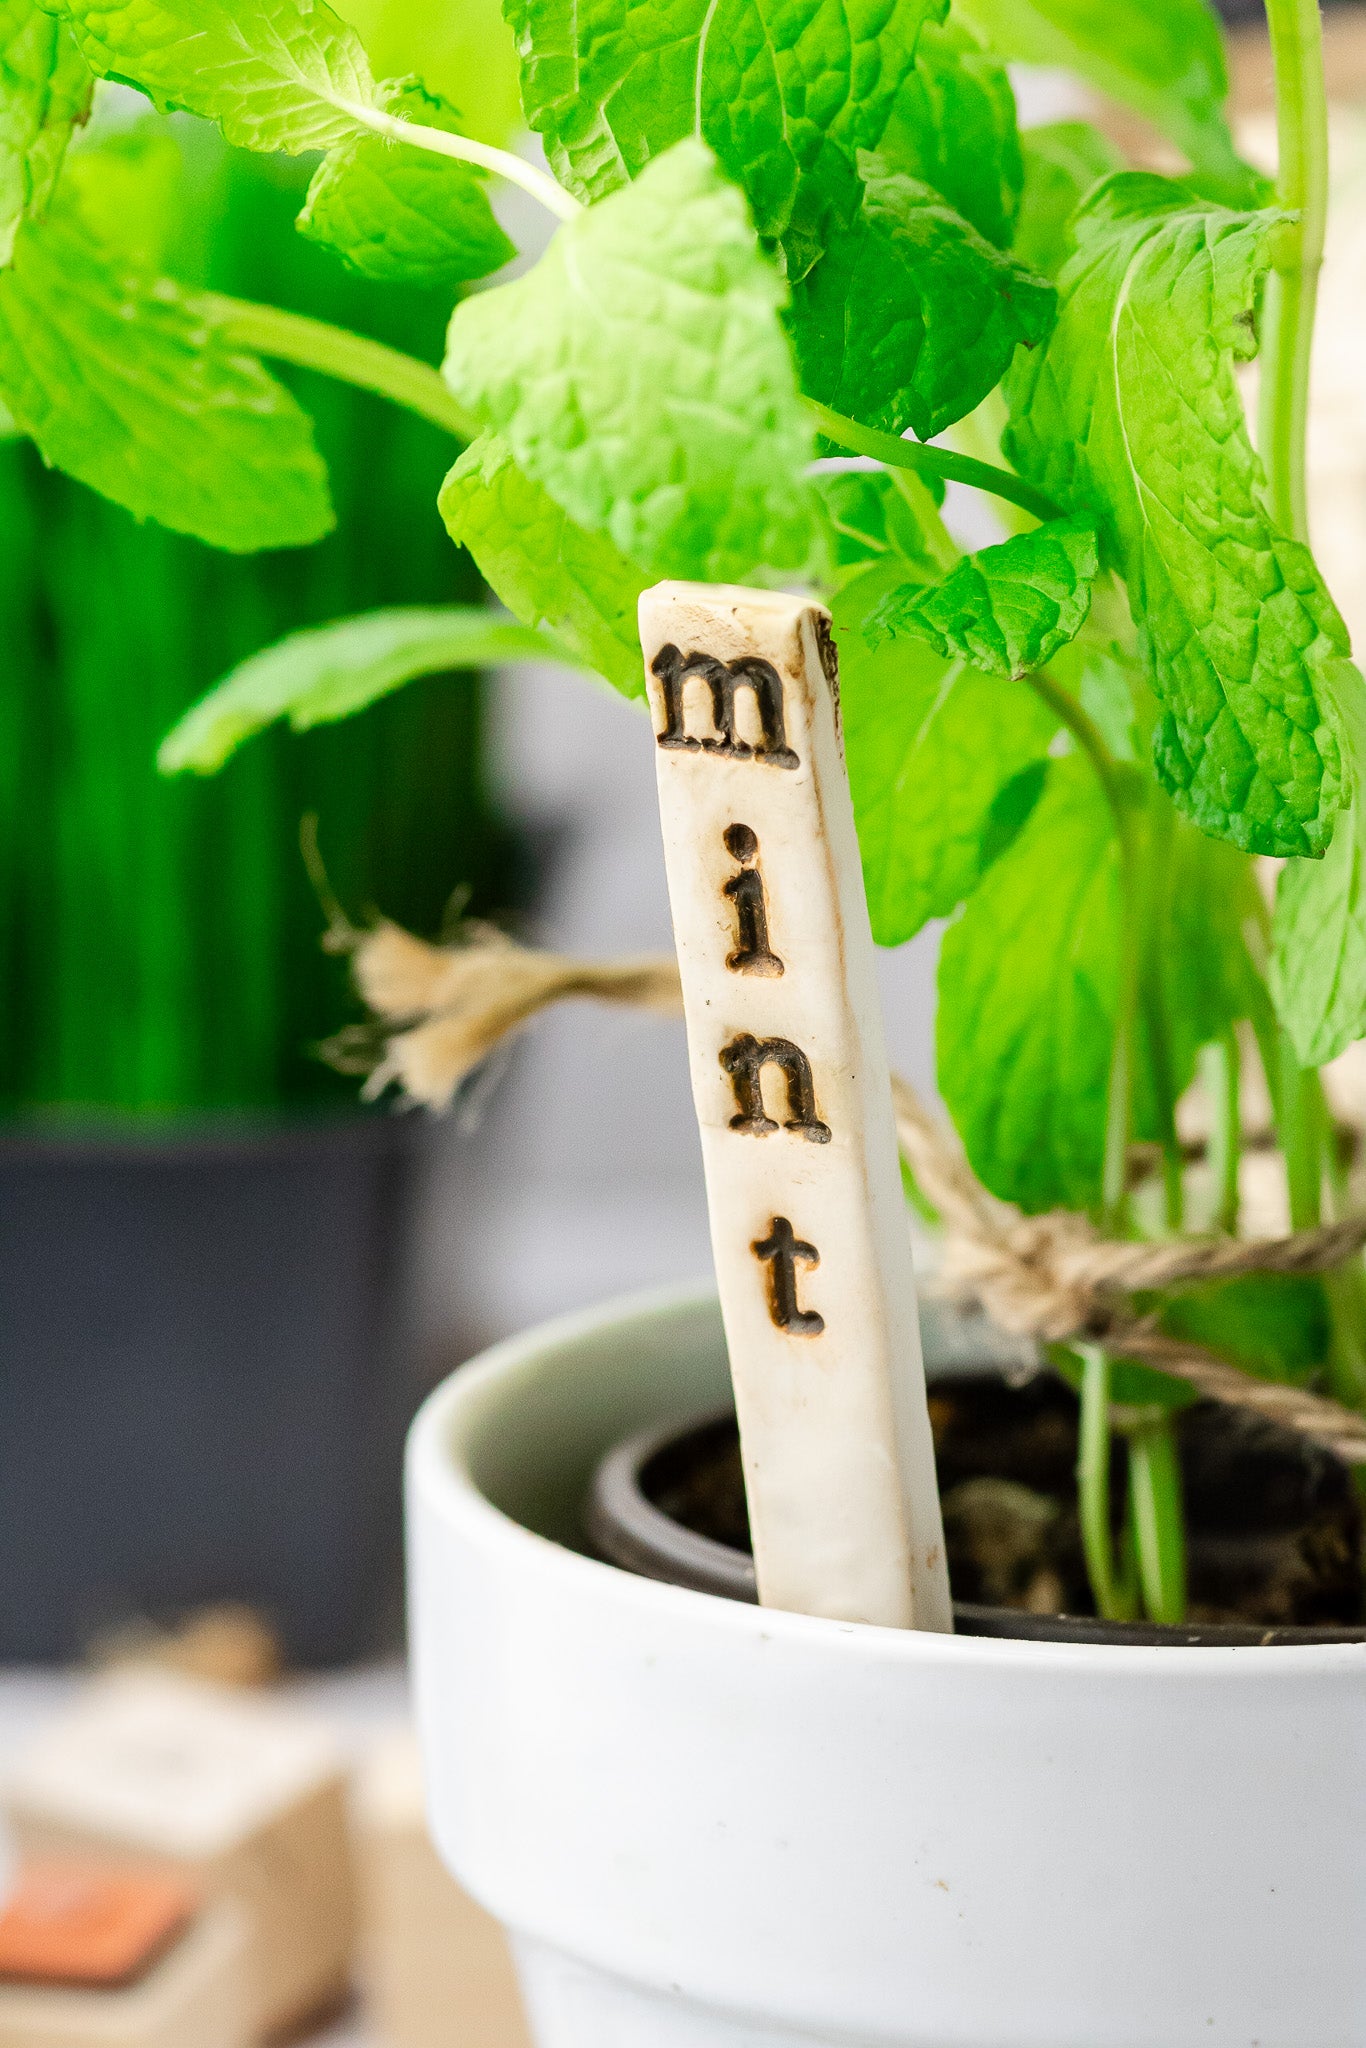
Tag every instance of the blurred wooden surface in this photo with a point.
(241, 1793)
(368, 1711)
(436, 1968)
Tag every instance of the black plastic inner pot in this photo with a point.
(1274, 1522)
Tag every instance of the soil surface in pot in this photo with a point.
(1274, 1522)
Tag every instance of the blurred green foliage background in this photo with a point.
(159, 940)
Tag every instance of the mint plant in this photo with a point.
(810, 235)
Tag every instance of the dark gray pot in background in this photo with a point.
(205, 1373)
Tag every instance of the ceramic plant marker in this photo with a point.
(793, 1096)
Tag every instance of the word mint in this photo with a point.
(793, 1098)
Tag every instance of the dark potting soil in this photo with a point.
(1274, 1522)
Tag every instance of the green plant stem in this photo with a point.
(1068, 711)
(1221, 1065)
(1159, 1062)
(463, 149)
(1299, 1100)
(1158, 1517)
(979, 437)
(1292, 288)
(930, 461)
(936, 536)
(336, 352)
(1336, 1187)
(1115, 1171)
(1114, 1596)
(1155, 868)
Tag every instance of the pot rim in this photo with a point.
(448, 1425)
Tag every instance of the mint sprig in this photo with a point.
(123, 383)
(783, 97)
(929, 786)
(952, 127)
(639, 373)
(400, 214)
(329, 672)
(549, 572)
(279, 74)
(1029, 993)
(1010, 608)
(911, 317)
(1131, 414)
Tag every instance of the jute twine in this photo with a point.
(441, 1010)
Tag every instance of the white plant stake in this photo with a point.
(791, 1084)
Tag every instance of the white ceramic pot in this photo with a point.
(715, 1826)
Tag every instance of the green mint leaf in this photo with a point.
(640, 374)
(127, 187)
(276, 74)
(1166, 62)
(1009, 608)
(45, 88)
(550, 573)
(952, 126)
(1132, 414)
(784, 97)
(123, 384)
(1062, 161)
(1107, 682)
(1272, 1324)
(1318, 951)
(1202, 902)
(868, 519)
(932, 747)
(400, 214)
(330, 672)
(1318, 965)
(1028, 991)
(1011, 808)
(911, 316)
